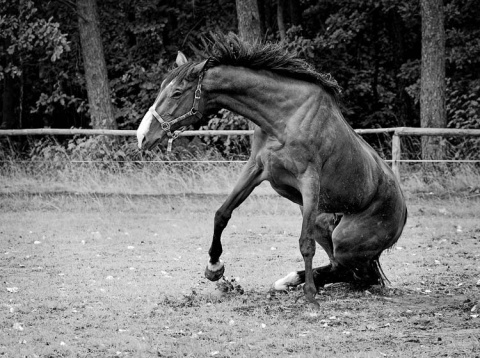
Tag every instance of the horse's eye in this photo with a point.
(176, 94)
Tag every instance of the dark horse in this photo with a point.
(351, 203)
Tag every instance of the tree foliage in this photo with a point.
(372, 47)
(27, 37)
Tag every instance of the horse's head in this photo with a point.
(178, 105)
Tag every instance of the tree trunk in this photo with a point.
(294, 10)
(281, 20)
(267, 16)
(8, 103)
(403, 103)
(101, 111)
(432, 91)
(249, 27)
(7, 119)
(248, 15)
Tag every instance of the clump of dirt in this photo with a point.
(226, 285)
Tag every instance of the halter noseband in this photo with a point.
(194, 112)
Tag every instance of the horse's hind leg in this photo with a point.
(360, 239)
(321, 276)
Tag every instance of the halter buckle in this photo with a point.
(198, 92)
(165, 126)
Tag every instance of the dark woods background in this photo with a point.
(372, 47)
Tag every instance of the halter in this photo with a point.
(194, 112)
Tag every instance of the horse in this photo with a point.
(351, 202)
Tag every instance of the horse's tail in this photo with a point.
(376, 268)
(378, 272)
(369, 274)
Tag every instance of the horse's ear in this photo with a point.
(199, 68)
(181, 59)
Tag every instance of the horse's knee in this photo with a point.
(307, 248)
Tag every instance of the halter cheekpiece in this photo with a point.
(194, 112)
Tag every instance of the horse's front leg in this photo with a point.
(307, 249)
(307, 236)
(250, 178)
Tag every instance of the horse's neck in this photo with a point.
(268, 100)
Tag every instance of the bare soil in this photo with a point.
(112, 276)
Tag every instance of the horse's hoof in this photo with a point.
(215, 272)
(309, 301)
(310, 292)
(313, 304)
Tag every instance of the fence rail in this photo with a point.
(111, 132)
(396, 143)
(409, 131)
(128, 133)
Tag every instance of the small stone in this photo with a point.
(17, 326)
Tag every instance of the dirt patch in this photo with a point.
(114, 277)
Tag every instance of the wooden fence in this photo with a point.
(396, 143)
(432, 132)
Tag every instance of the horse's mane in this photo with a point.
(231, 50)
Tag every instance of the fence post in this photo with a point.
(396, 155)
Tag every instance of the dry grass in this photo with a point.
(124, 179)
(445, 179)
(131, 178)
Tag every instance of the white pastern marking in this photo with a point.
(292, 279)
(214, 268)
(143, 128)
